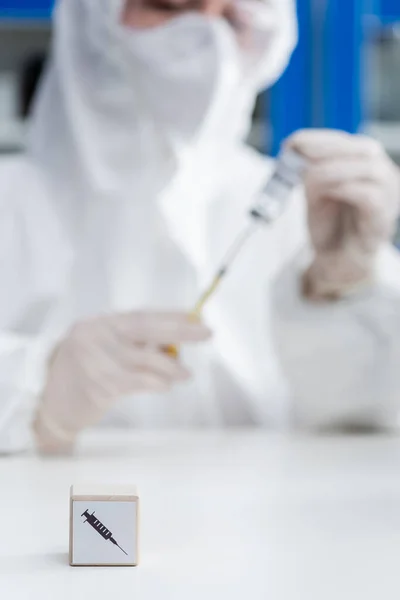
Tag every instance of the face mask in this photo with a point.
(190, 74)
(200, 76)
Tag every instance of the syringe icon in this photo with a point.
(100, 528)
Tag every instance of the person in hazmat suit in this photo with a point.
(135, 180)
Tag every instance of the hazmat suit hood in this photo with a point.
(109, 107)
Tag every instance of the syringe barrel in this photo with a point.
(97, 525)
(286, 177)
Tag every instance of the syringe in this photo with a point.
(273, 200)
(100, 528)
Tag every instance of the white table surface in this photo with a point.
(224, 516)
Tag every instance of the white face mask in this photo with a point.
(190, 75)
(200, 76)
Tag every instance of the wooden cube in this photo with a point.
(104, 526)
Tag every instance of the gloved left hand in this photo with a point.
(104, 359)
(353, 194)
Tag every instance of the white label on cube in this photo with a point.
(108, 537)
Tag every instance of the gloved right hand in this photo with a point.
(105, 359)
(353, 192)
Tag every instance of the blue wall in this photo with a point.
(291, 98)
(26, 9)
(389, 10)
(344, 68)
(324, 85)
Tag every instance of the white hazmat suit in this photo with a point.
(125, 202)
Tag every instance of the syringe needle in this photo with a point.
(234, 250)
(116, 544)
(122, 549)
(238, 244)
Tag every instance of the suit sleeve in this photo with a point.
(34, 265)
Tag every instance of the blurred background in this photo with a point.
(344, 74)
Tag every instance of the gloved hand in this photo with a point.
(103, 360)
(353, 194)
